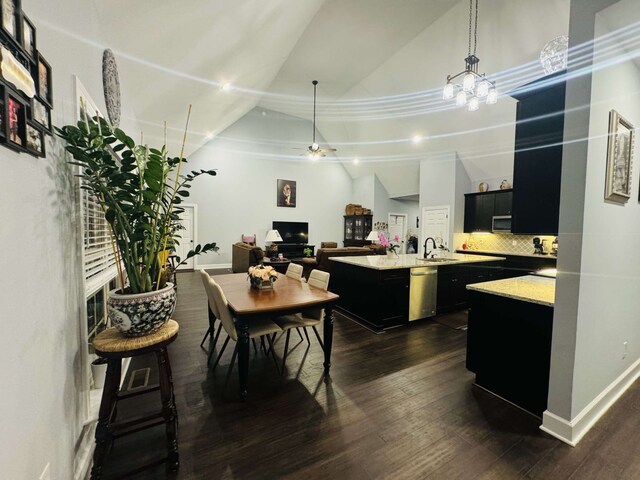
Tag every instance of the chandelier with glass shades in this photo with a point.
(475, 87)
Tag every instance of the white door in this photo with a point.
(188, 234)
(435, 224)
(397, 222)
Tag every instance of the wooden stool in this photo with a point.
(111, 345)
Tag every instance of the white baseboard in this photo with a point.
(214, 266)
(571, 432)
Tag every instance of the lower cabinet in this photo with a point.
(509, 349)
(453, 281)
(378, 298)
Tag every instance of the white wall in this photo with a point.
(41, 289)
(444, 182)
(597, 300)
(242, 197)
(609, 300)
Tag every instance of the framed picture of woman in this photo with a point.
(286, 191)
(9, 15)
(28, 37)
(45, 91)
(619, 159)
(16, 121)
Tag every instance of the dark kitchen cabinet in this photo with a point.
(376, 298)
(479, 209)
(453, 280)
(538, 156)
(478, 212)
(502, 203)
(509, 349)
(356, 230)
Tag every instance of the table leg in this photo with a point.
(328, 337)
(243, 355)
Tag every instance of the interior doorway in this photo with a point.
(435, 224)
(397, 226)
(187, 234)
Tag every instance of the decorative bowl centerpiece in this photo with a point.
(262, 277)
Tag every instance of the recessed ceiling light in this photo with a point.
(226, 87)
(417, 139)
(356, 161)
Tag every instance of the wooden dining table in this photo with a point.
(287, 296)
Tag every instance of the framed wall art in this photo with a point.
(41, 114)
(28, 37)
(44, 81)
(16, 121)
(9, 14)
(34, 140)
(286, 191)
(619, 159)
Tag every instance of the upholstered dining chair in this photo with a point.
(212, 311)
(294, 271)
(257, 328)
(308, 318)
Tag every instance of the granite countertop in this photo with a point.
(531, 288)
(382, 262)
(488, 252)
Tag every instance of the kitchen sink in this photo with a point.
(437, 260)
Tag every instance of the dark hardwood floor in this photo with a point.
(398, 405)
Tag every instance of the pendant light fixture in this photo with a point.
(475, 87)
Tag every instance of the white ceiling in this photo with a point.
(380, 64)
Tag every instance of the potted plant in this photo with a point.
(140, 190)
(262, 276)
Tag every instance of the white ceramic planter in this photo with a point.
(135, 315)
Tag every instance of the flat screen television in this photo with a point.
(293, 232)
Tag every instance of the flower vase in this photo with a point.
(260, 284)
(391, 254)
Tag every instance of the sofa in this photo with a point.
(244, 256)
(321, 262)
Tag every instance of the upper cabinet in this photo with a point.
(480, 208)
(538, 157)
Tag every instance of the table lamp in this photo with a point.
(272, 236)
(373, 236)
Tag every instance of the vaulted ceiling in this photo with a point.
(380, 64)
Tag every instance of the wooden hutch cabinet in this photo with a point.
(356, 230)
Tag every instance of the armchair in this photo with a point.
(244, 256)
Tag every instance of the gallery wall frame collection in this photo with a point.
(26, 87)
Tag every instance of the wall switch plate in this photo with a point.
(46, 473)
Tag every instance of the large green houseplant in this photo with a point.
(140, 190)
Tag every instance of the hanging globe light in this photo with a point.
(553, 55)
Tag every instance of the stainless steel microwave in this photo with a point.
(501, 224)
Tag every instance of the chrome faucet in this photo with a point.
(427, 253)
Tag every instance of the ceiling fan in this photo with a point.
(314, 151)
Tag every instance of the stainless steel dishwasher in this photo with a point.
(423, 287)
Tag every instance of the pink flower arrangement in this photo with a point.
(387, 243)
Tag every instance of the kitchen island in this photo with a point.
(384, 292)
(509, 339)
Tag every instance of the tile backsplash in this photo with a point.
(499, 242)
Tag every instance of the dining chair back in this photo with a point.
(206, 278)
(221, 307)
(318, 279)
(294, 271)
